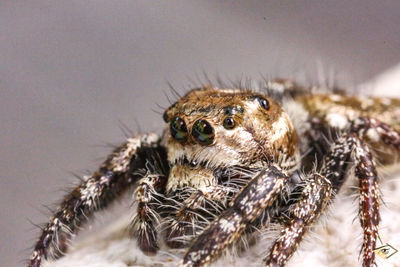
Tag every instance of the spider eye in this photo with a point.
(203, 132)
(229, 123)
(263, 103)
(165, 116)
(178, 129)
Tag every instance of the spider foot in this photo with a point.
(177, 232)
(147, 239)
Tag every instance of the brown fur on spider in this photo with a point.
(233, 161)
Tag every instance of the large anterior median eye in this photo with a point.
(203, 132)
(178, 129)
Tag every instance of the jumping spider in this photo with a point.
(232, 161)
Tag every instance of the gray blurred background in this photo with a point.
(72, 72)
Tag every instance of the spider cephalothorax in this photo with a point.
(210, 131)
(224, 128)
(229, 162)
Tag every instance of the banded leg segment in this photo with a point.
(144, 223)
(366, 172)
(247, 206)
(347, 147)
(368, 202)
(313, 200)
(94, 193)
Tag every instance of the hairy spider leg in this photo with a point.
(369, 200)
(368, 180)
(94, 193)
(247, 206)
(313, 200)
(308, 208)
(316, 193)
(143, 226)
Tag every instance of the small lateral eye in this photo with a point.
(203, 132)
(263, 103)
(165, 117)
(178, 129)
(229, 123)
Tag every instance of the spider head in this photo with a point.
(228, 127)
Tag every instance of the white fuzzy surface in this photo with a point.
(334, 241)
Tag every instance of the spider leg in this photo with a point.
(94, 193)
(143, 226)
(247, 206)
(313, 200)
(369, 200)
(371, 127)
(208, 200)
(368, 181)
(334, 169)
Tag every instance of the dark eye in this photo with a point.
(178, 129)
(203, 132)
(165, 116)
(263, 103)
(229, 123)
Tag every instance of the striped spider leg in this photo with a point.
(244, 209)
(94, 193)
(321, 188)
(147, 218)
